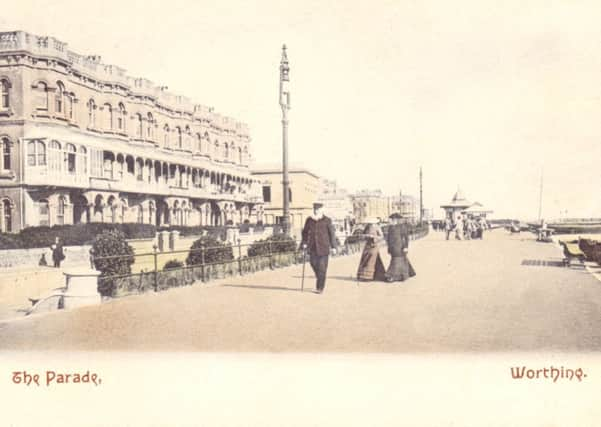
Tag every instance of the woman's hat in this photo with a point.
(395, 215)
(317, 205)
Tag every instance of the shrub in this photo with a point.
(280, 243)
(173, 264)
(214, 251)
(111, 243)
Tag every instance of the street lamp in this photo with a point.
(285, 105)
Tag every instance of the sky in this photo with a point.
(484, 95)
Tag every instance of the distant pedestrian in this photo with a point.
(459, 228)
(400, 268)
(319, 237)
(448, 226)
(58, 252)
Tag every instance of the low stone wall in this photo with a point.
(74, 255)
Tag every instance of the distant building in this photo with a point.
(337, 202)
(370, 205)
(304, 190)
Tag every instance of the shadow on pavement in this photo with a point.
(271, 288)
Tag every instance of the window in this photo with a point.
(266, 193)
(4, 94)
(5, 154)
(180, 143)
(70, 158)
(41, 92)
(226, 151)
(44, 212)
(149, 127)
(108, 117)
(83, 158)
(69, 106)
(289, 195)
(7, 216)
(60, 213)
(91, 113)
(139, 128)
(36, 153)
(166, 136)
(198, 143)
(139, 170)
(239, 155)
(121, 118)
(140, 218)
(59, 103)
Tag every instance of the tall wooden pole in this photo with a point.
(421, 200)
(540, 196)
(285, 105)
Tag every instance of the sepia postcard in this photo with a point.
(305, 213)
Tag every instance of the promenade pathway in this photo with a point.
(504, 293)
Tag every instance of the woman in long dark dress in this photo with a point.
(371, 266)
(400, 268)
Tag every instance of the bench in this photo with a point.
(571, 251)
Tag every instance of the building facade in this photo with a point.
(304, 190)
(81, 141)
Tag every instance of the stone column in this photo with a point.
(82, 288)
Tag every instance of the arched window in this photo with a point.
(139, 126)
(140, 218)
(59, 105)
(226, 151)
(112, 208)
(139, 169)
(91, 113)
(4, 94)
(123, 205)
(166, 136)
(151, 212)
(83, 160)
(149, 127)
(6, 158)
(70, 152)
(7, 216)
(121, 118)
(60, 212)
(240, 155)
(41, 93)
(44, 212)
(36, 153)
(69, 105)
(198, 147)
(179, 137)
(187, 137)
(108, 117)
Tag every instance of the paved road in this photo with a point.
(503, 293)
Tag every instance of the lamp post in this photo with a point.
(285, 105)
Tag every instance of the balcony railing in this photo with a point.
(43, 175)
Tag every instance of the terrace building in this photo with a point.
(81, 141)
(304, 190)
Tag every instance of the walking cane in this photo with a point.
(303, 279)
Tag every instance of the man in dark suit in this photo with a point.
(319, 237)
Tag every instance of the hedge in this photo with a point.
(71, 235)
(278, 243)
